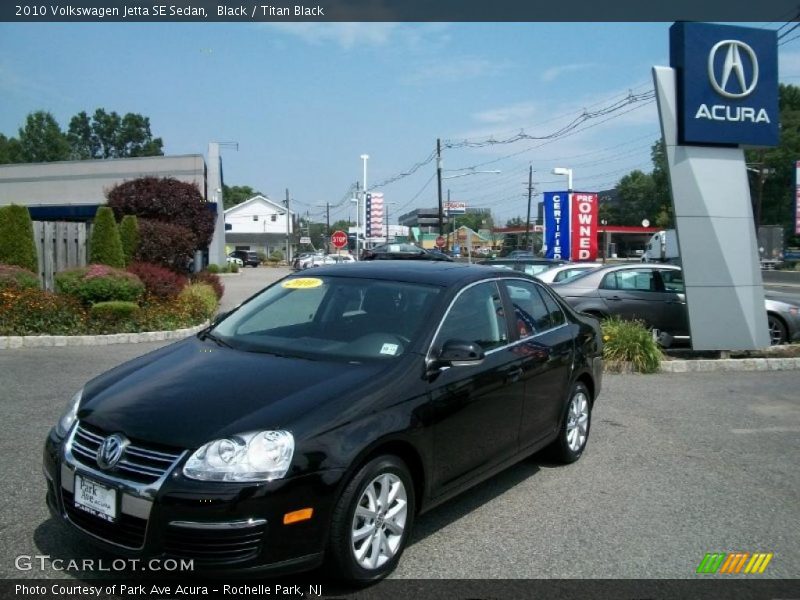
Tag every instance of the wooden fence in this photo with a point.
(59, 246)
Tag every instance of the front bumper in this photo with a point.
(223, 526)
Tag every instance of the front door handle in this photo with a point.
(615, 298)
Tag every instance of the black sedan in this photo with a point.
(317, 420)
(654, 294)
(403, 252)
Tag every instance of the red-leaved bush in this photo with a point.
(159, 282)
(166, 200)
(212, 280)
(164, 244)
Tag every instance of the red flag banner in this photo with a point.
(584, 216)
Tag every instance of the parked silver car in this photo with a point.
(655, 295)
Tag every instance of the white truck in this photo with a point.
(662, 247)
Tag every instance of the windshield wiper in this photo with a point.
(208, 335)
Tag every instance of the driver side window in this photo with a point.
(476, 316)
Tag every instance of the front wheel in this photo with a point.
(574, 431)
(372, 521)
(777, 330)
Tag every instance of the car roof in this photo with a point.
(440, 273)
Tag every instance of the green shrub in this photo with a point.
(211, 279)
(105, 246)
(276, 256)
(99, 283)
(629, 342)
(17, 246)
(199, 299)
(233, 268)
(114, 311)
(17, 277)
(31, 311)
(213, 268)
(129, 236)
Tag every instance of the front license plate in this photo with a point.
(95, 499)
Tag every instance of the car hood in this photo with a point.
(195, 391)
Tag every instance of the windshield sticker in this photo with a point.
(389, 349)
(302, 283)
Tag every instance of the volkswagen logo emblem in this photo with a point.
(110, 451)
(734, 64)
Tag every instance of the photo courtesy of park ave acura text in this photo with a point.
(400, 300)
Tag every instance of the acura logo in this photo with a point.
(725, 85)
(110, 451)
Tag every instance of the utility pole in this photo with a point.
(439, 179)
(528, 220)
(328, 219)
(288, 229)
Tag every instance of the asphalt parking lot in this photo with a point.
(677, 466)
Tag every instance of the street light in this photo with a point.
(365, 158)
(568, 173)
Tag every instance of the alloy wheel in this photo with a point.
(577, 421)
(379, 521)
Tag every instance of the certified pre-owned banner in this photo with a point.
(556, 225)
(584, 226)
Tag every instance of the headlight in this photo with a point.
(259, 456)
(68, 418)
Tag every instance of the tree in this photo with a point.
(662, 191)
(236, 194)
(516, 222)
(10, 151)
(107, 135)
(41, 139)
(167, 200)
(17, 246)
(341, 224)
(636, 193)
(771, 172)
(129, 236)
(105, 246)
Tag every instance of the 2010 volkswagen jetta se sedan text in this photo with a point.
(318, 419)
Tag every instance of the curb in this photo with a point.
(729, 364)
(50, 341)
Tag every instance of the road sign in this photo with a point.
(440, 241)
(339, 239)
(305, 240)
(455, 208)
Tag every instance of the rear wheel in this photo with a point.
(576, 422)
(372, 521)
(777, 330)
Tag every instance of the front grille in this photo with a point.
(214, 546)
(139, 462)
(126, 530)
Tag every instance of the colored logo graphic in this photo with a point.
(734, 563)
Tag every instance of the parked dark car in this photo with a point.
(655, 295)
(248, 257)
(403, 251)
(529, 266)
(318, 419)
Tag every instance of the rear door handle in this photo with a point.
(514, 374)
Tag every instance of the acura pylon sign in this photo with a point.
(727, 84)
(719, 96)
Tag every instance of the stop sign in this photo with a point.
(440, 241)
(339, 239)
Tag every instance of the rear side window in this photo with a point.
(530, 311)
(556, 314)
(635, 280)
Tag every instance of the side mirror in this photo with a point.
(460, 353)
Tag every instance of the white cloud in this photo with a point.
(454, 70)
(345, 35)
(554, 72)
(519, 112)
(788, 65)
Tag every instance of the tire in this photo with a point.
(358, 550)
(777, 330)
(573, 433)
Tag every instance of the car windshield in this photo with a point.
(330, 318)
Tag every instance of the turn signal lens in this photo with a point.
(298, 515)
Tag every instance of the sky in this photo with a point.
(304, 101)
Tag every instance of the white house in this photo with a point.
(257, 224)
